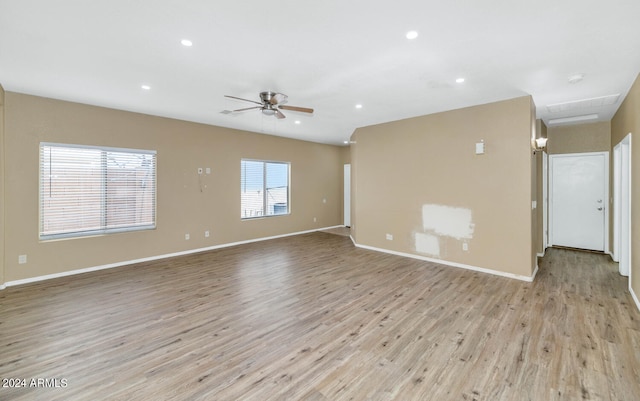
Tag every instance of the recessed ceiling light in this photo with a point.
(145, 87)
(460, 80)
(297, 122)
(345, 142)
(358, 106)
(412, 35)
(186, 42)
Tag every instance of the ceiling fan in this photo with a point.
(271, 103)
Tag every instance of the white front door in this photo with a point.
(578, 200)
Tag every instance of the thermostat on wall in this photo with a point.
(480, 148)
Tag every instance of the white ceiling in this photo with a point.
(328, 55)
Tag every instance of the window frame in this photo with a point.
(265, 202)
(104, 227)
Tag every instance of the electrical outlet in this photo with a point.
(206, 234)
(187, 236)
(22, 259)
(390, 237)
(465, 246)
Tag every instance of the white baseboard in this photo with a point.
(635, 297)
(535, 273)
(453, 264)
(151, 258)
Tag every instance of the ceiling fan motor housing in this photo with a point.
(267, 96)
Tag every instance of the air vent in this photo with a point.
(583, 104)
(573, 119)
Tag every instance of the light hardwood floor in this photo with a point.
(312, 317)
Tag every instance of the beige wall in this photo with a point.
(580, 138)
(182, 147)
(345, 155)
(627, 120)
(400, 167)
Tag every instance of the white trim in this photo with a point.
(453, 264)
(622, 152)
(151, 258)
(635, 297)
(310, 231)
(545, 202)
(616, 202)
(631, 219)
(346, 201)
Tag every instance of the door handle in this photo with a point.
(600, 208)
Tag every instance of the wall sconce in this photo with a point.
(540, 144)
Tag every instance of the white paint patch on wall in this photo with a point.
(447, 221)
(440, 222)
(428, 244)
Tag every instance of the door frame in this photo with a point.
(622, 205)
(545, 202)
(605, 200)
(346, 207)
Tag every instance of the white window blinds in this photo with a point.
(86, 190)
(264, 188)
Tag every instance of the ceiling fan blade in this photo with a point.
(296, 108)
(279, 114)
(247, 108)
(244, 100)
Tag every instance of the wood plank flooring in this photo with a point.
(312, 317)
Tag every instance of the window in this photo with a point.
(86, 190)
(264, 188)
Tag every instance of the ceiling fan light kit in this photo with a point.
(271, 103)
